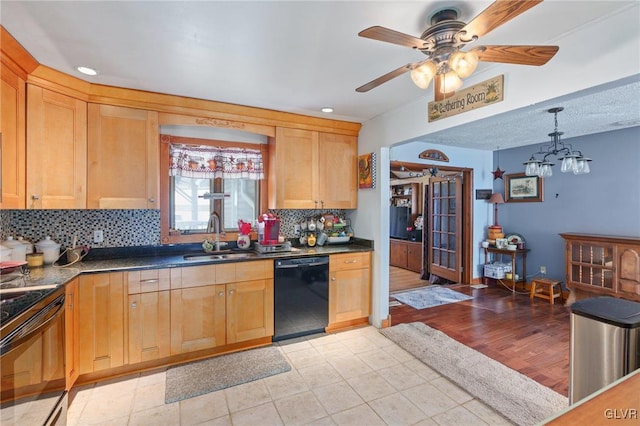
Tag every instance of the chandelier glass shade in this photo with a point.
(572, 160)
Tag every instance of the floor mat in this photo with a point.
(428, 297)
(212, 374)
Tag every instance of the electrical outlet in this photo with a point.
(543, 270)
(98, 236)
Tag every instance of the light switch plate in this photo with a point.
(98, 236)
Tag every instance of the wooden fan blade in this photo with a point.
(498, 13)
(392, 36)
(523, 55)
(384, 78)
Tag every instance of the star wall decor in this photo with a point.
(497, 173)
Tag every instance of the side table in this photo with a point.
(513, 254)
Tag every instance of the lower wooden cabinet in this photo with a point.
(72, 338)
(148, 314)
(122, 319)
(398, 253)
(101, 299)
(249, 310)
(603, 265)
(214, 305)
(197, 318)
(349, 287)
(406, 254)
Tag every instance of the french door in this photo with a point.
(445, 227)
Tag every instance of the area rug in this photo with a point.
(212, 374)
(428, 297)
(512, 394)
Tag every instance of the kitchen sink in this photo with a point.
(217, 256)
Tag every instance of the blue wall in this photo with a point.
(606, 201)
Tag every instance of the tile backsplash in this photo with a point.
(121, 228)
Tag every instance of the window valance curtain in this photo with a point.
(209, 162)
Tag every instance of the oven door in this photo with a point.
(32, 367)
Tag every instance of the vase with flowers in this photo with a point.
(244, 240)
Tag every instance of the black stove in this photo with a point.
(13, 304)
(17, 294)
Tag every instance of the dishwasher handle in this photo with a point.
(302, 263)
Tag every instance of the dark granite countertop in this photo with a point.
(170, 256)
(167, 256)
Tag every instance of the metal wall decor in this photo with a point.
(367, 171)
(433, 155)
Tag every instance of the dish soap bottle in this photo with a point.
(311, 240)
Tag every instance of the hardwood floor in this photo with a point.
(530, 336)
(404, 279)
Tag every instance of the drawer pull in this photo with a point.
(149, 281)
(351, 261)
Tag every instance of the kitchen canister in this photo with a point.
(28, 245)
(50, 250)
(5, 253)
(19, 250)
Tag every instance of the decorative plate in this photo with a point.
(514, 238)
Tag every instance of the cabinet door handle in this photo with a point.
(149, 281)
(134, 305)
(230, 292)
(152, 200)
(333, 278)
(71, 301)
(221, 294)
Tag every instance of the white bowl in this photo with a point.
(511, 247)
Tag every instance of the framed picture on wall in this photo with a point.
(519, 188)
(367, 171)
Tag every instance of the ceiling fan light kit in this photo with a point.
(572, 160)
(446, 63)
(423, 74)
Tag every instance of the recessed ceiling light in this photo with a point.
(87, 70)
(327, 109)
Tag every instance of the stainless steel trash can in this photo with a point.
(605, 343)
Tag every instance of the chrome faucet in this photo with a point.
(214, 226)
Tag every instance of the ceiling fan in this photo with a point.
(442, 42)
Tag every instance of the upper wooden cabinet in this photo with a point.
(56, 150)
(124, 158)
(337, 169)
(12, 127)
(309, 169)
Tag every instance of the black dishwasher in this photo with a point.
(301, 296)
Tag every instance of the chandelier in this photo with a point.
(572, 160)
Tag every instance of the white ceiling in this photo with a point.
(299, 56)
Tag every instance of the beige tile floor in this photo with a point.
(356, 377)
